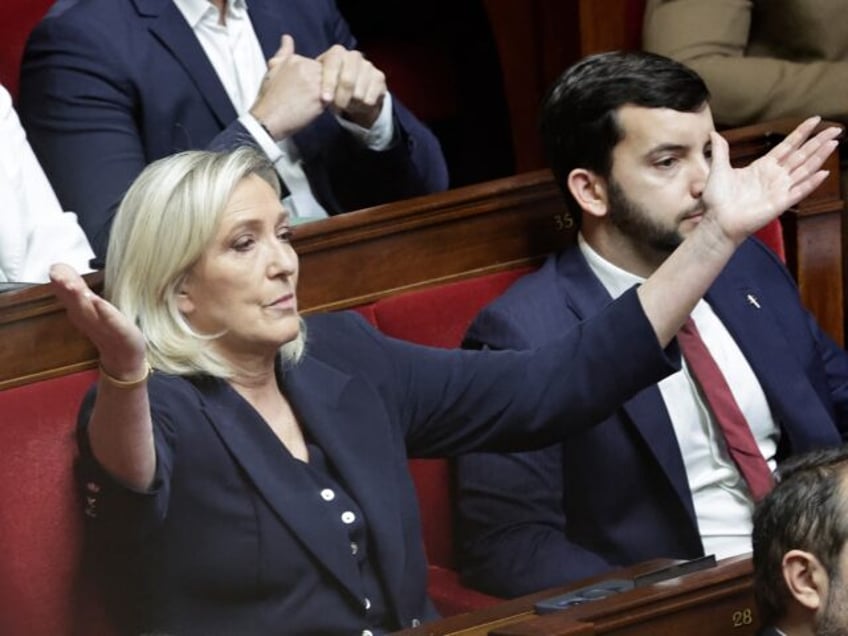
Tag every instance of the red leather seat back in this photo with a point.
(772, 235)
(17, 19)
(43, 591)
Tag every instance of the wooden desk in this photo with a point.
(359, 257)
(345, 261)
(713, 602)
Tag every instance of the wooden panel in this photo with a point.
(712, 602)
(609, 25)
(536, 41)
(345, 261)
(357, 258)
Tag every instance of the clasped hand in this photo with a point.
(298, 89)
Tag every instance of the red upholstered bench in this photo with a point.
(43, 587)
(17, 19)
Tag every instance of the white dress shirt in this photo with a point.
(236, 55)
(34, 232)
(723, 505)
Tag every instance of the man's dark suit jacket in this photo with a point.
(618, 494)
(107, 86)
(233, 539)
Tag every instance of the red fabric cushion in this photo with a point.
(772, 235)
(17, 19)
(367, 312)
(439, 316)
(434, 485)
(42, 589)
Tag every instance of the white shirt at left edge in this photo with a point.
(34, 230)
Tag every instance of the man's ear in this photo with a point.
(589, 190)
(806, 579)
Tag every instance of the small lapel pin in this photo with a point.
(753, 300)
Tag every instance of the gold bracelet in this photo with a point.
(126, 384)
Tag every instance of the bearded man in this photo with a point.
(676, 471)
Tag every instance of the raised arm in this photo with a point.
(713, 38)
(120, 430)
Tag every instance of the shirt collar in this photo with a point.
(614, 279)
(195, 11)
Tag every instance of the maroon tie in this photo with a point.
(740, 442)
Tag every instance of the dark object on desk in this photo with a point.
(673, 571)
(607, 588)
(583, 595)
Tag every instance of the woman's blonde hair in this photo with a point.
(164, 224)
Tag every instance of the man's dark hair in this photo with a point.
(579, 125)
(805, 511)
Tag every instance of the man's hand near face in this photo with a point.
(742, 200)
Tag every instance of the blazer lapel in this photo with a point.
(341, 415)
(750, 319)
(586, 295)
(267, 22)
(169, 27)
(283, 484)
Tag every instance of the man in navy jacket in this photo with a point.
(107, 86)
(628, 135)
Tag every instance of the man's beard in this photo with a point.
(833, 621)
(634, 222)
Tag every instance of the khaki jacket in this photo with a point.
(760, 59)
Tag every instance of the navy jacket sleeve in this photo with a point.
(453, 402)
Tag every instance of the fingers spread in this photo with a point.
(794, 140)
(807, 186)
(811, 156)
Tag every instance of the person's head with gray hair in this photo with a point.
(799, 537)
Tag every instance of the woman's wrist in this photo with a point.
(129, 381)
